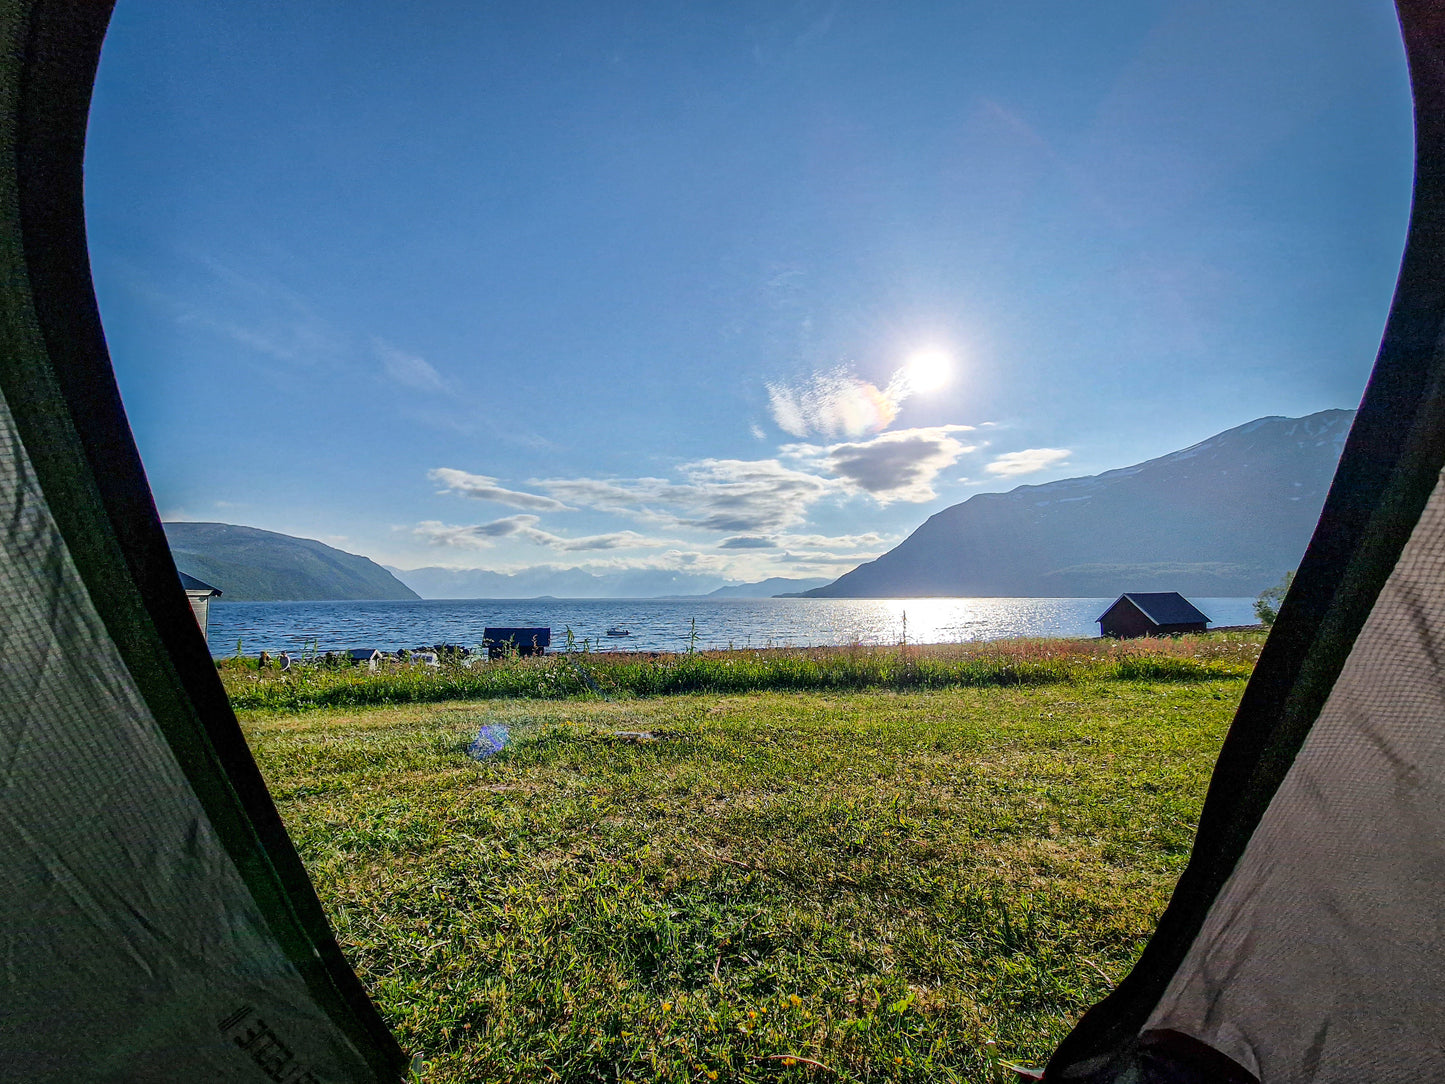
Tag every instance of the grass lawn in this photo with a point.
(858, 886)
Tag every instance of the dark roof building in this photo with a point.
(1150, 613)
(199, 595)
(527, 640)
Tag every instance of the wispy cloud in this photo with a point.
(524, 528)
(261, 314)
(733, 496)
(481, 487)
(833, 404)
(1027, 461)
(839, 403)
(294, 341)
(408, 369)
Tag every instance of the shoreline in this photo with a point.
(933, 648)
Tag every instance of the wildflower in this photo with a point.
(667, 1006)
(794, 1000)
(790, 1061)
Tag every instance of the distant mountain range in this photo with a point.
(250, 565)
(439, 582)
(770, 588)
(1227, 516)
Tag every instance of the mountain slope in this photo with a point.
(251, 565)
(1227, 516)
(769, 588)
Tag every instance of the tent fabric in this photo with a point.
(1357, 618)
(158, 912)
(130, 945)
(1322, 957)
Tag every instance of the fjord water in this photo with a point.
(666, 624)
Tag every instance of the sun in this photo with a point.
(928, 370)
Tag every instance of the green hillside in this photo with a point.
(250, 565)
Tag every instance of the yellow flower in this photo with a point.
(790, 1061)
(795, 999)
(752, 1015)
(667, 1006)
(712, 1074)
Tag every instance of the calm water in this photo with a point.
(666, 624)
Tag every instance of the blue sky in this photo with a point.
(731, 290)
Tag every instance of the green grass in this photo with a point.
(997, 664)
(897, 886)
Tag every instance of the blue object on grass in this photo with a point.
(490, 741)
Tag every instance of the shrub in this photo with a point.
(1266, 607)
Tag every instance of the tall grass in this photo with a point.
(999, 664)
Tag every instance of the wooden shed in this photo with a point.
(199, 594)
(364, 656)
(1150, 613)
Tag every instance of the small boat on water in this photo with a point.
(618, 630)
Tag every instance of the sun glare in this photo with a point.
(928, 370)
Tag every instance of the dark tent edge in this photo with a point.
(1390, 465)
(57, 378)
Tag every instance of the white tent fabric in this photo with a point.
(130, 948)
(1323, 957)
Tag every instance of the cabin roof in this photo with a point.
(363, 652)
(190, 583)
(1160, 607)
